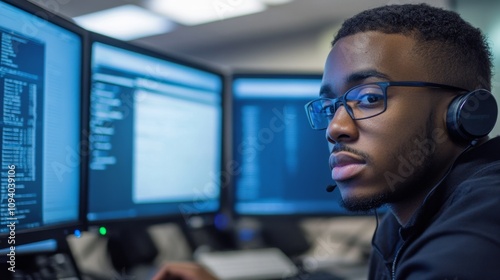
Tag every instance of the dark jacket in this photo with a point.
(455, 234)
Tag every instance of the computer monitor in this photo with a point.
(155, 136)
(41, 89)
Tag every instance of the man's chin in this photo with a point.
(363, 204)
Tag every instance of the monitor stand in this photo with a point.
(285, 234)
(129, 247)
(205, 236)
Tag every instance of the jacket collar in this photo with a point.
(392, 234)
(465, 165)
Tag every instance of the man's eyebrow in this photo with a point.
(359, 76)
(353, 79)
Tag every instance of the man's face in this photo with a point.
(400, 152)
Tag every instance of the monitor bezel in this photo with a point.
(145, 221)
(60, 230)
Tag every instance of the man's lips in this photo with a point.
(345, 165)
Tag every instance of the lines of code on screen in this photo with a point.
(21, 108)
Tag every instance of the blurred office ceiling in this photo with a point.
(297, 16)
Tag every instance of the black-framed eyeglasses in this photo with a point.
(361, 102)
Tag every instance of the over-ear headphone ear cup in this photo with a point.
(472, 115)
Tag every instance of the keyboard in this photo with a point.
(268, 263)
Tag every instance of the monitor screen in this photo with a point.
(283, 163)
(40, 108)
(156, 135)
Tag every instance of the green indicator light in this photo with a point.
(103, 230)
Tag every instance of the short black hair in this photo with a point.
(457, 52)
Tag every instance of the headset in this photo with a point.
(472, 115)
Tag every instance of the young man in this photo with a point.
(406, 106)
